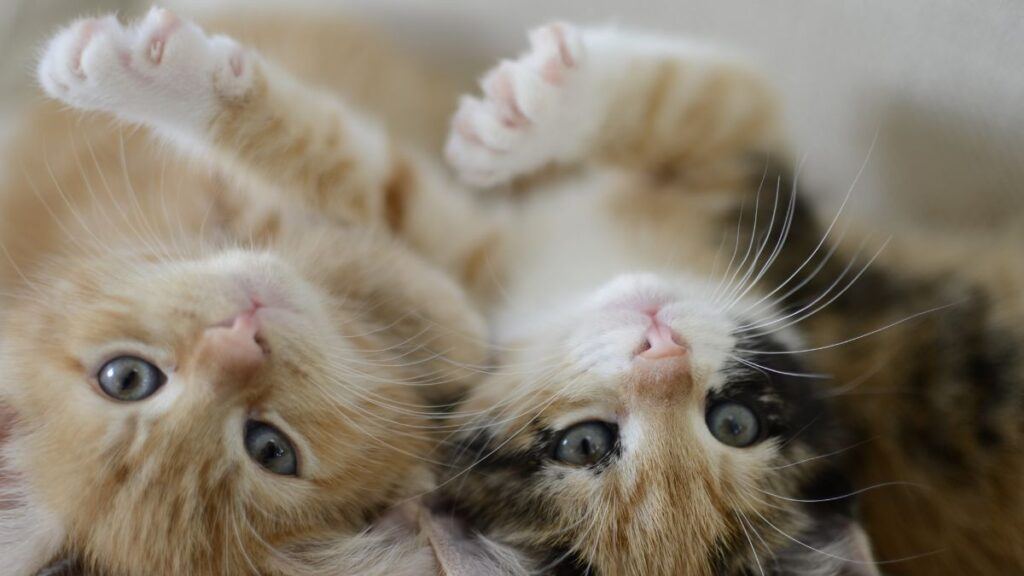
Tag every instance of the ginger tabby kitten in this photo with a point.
(222, 363)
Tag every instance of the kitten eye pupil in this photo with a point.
(586, 444)
(270, 448)
(130, 379)
(271, 451)
(733, 424)
(735, 428)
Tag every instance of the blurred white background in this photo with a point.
(937, 84)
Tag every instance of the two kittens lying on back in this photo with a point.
(250, 356)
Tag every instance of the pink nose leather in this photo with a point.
(661, 342)
(234, 346)
(661, 375)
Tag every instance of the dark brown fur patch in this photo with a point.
(397, 191)
(938, 398)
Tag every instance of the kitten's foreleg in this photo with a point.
(605, 94)
(214, 96)
(218, 99)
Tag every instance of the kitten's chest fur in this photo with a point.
(581, 231)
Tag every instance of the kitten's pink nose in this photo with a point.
(660, 342)
(662, 373)
(234, 346)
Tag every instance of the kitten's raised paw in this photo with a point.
(526, 112)
(163, 70)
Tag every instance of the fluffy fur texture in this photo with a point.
(644, 195)
(653, 146)
(258, 301)
(922, 342)
(626, 107)
(649, 150)
(933, 392)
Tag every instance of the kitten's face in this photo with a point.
(629, 436)
(199, 416)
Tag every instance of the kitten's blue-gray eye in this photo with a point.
(270, 448)
(585, 444)
(130, 379)
(734, 424)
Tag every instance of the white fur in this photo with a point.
(580, 276)
(547, 105)
(608, 334)
(568, 242)
(163, 70)
(573, 260)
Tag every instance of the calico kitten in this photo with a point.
(607, 453)
(204, 378)
(654, 422)
(659, 148)
(753, 468)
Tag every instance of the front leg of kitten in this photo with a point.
(627, 98)
(219, 100)
(210, 94)
(163, 71)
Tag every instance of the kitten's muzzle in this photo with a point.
(661, 370)
(661, 342)
(234, 348)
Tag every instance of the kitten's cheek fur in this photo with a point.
(30, 535)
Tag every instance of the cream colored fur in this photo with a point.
(113, 245)
(628, 151)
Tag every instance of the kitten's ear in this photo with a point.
(459, 553)
(30, 536)
(835, 546)
(407, 541)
